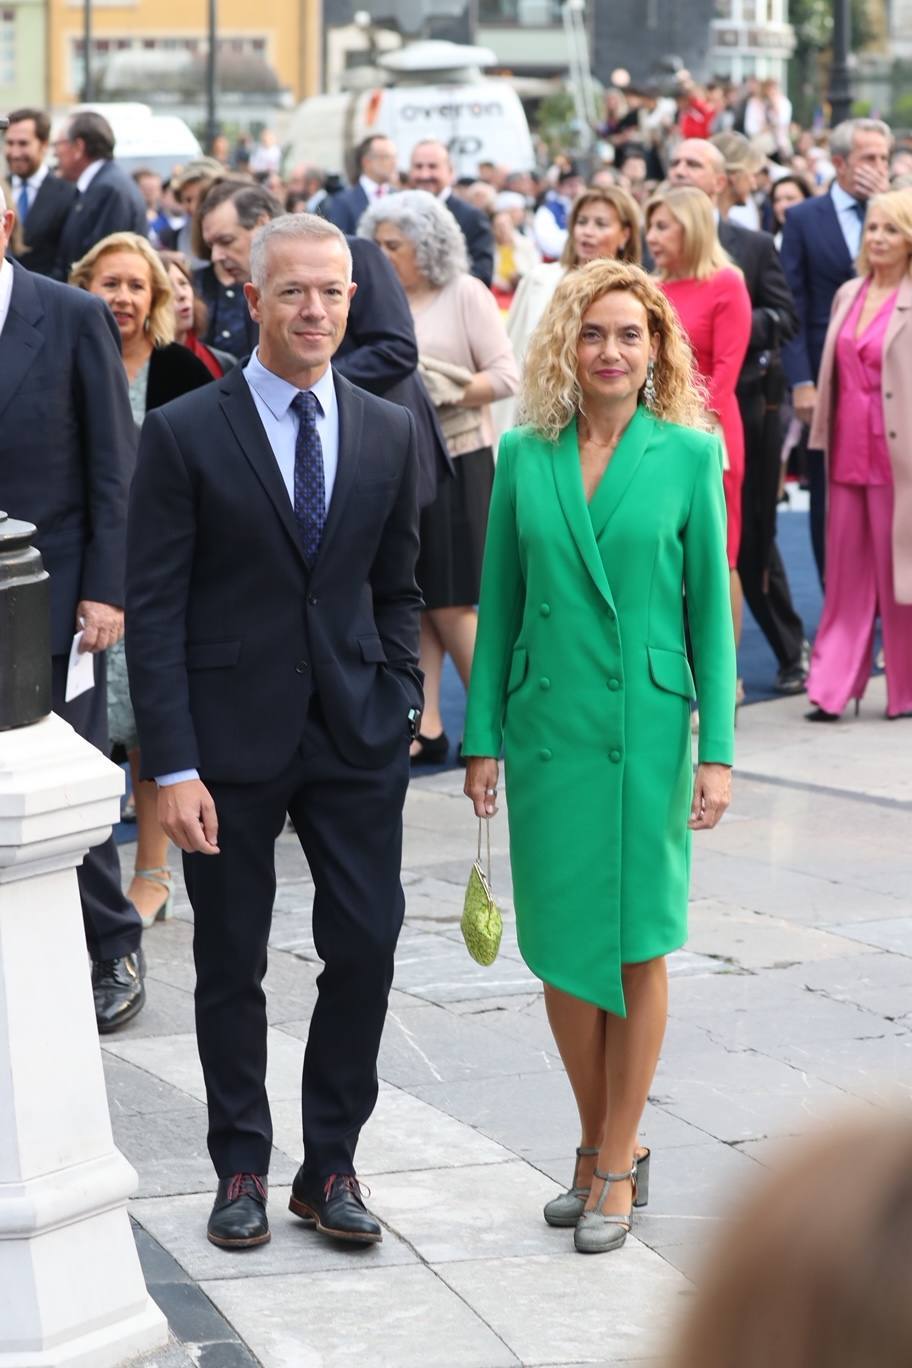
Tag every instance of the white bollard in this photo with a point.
(71, 1288)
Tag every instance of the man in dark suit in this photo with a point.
(107, 200)
(67, 447)
(379, 351)
(375, 159)
(699, 163)
(41, 201)
(431, 169)
(272, 644)
(820, 242)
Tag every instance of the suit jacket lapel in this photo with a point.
(351, 419)
(21, 339)
(240, 411)
(902, 310)
(569, 482)
(622, 467)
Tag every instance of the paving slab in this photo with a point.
(383, 1317)
(569, 1307)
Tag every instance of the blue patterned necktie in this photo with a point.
(309, 480)
(22, 203)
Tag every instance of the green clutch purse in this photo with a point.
(482, 924)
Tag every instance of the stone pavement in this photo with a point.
(793, 998)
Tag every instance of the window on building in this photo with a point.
(528, 13)
(7, 47)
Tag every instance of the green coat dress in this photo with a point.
(581, 674)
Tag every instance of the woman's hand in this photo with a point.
(481, 784)
(711, 796)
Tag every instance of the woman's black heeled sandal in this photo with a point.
(434, 749)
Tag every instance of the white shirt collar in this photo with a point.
(88, 175)
(6, 290)
(370, 187)
(445, 194)
(277, 394)
(33, 182)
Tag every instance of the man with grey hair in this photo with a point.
(107, 200)
(820, 242)
(272, 646)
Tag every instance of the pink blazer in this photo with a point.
(897, 401)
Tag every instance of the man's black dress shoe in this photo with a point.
(238, 1218)
(118, 990)
(334, 1207)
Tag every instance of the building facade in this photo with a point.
(23, 53)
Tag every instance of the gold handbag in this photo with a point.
(482, 924)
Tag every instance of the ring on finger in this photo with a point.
(490, 793)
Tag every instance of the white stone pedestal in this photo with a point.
(71, 1288)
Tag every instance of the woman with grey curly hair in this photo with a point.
(466, 361)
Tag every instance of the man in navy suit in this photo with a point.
(272, 644)
(820, 242)
(67, 447)
(107, 200)
(431, 169)
(41, 201)
(375, 159)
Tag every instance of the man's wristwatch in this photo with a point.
(414, 723)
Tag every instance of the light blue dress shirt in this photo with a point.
(847, 214)
(273, 397)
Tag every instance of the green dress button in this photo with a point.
(545, 610)
(615, 757)
(544, 754)
(614, 685)
(544, 684)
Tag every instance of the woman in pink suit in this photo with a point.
(710, 298)
(863, 422)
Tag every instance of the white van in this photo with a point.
(480, 119)
(158, 142)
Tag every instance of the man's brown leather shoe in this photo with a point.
(238, 1219)
(334, 1207)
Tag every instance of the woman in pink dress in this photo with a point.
(863, 422)
(710, 298)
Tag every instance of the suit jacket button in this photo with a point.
(544, 754)
(615, 757)
(544, 684)
(888, 394)
(545, 610)
(301, 667)
(312, 600)
(892, 436)
(614, 685)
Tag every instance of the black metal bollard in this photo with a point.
(25, 628)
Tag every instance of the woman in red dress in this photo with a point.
(710, 298)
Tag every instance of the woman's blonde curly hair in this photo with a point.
(551, 394)
(160, 325)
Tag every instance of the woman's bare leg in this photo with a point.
(430, 658)
(578, 1028)
(151, 842)
(632, 1046)
(457, 628)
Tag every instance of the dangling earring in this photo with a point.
(649, 389)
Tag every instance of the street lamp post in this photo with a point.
(88, 84)
(211, 77)
(840, 91)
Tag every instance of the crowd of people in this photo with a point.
(593, 385)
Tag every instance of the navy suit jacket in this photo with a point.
(346, 208)
(478, 234)
(816, 262)
(44, 224)
(67, 441)
(229, 631)
(112, 204)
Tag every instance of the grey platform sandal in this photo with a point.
(566, 1209)
(597, 1232)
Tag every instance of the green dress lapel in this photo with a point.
(568, 479)
(622, 467)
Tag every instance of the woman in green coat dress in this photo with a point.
(607, 512)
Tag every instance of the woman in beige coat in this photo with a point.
(863, 422)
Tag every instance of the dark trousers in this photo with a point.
(763, 577)
(816, 471)
(112, 924)
(349, 823)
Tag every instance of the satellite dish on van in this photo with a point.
(437, 55)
